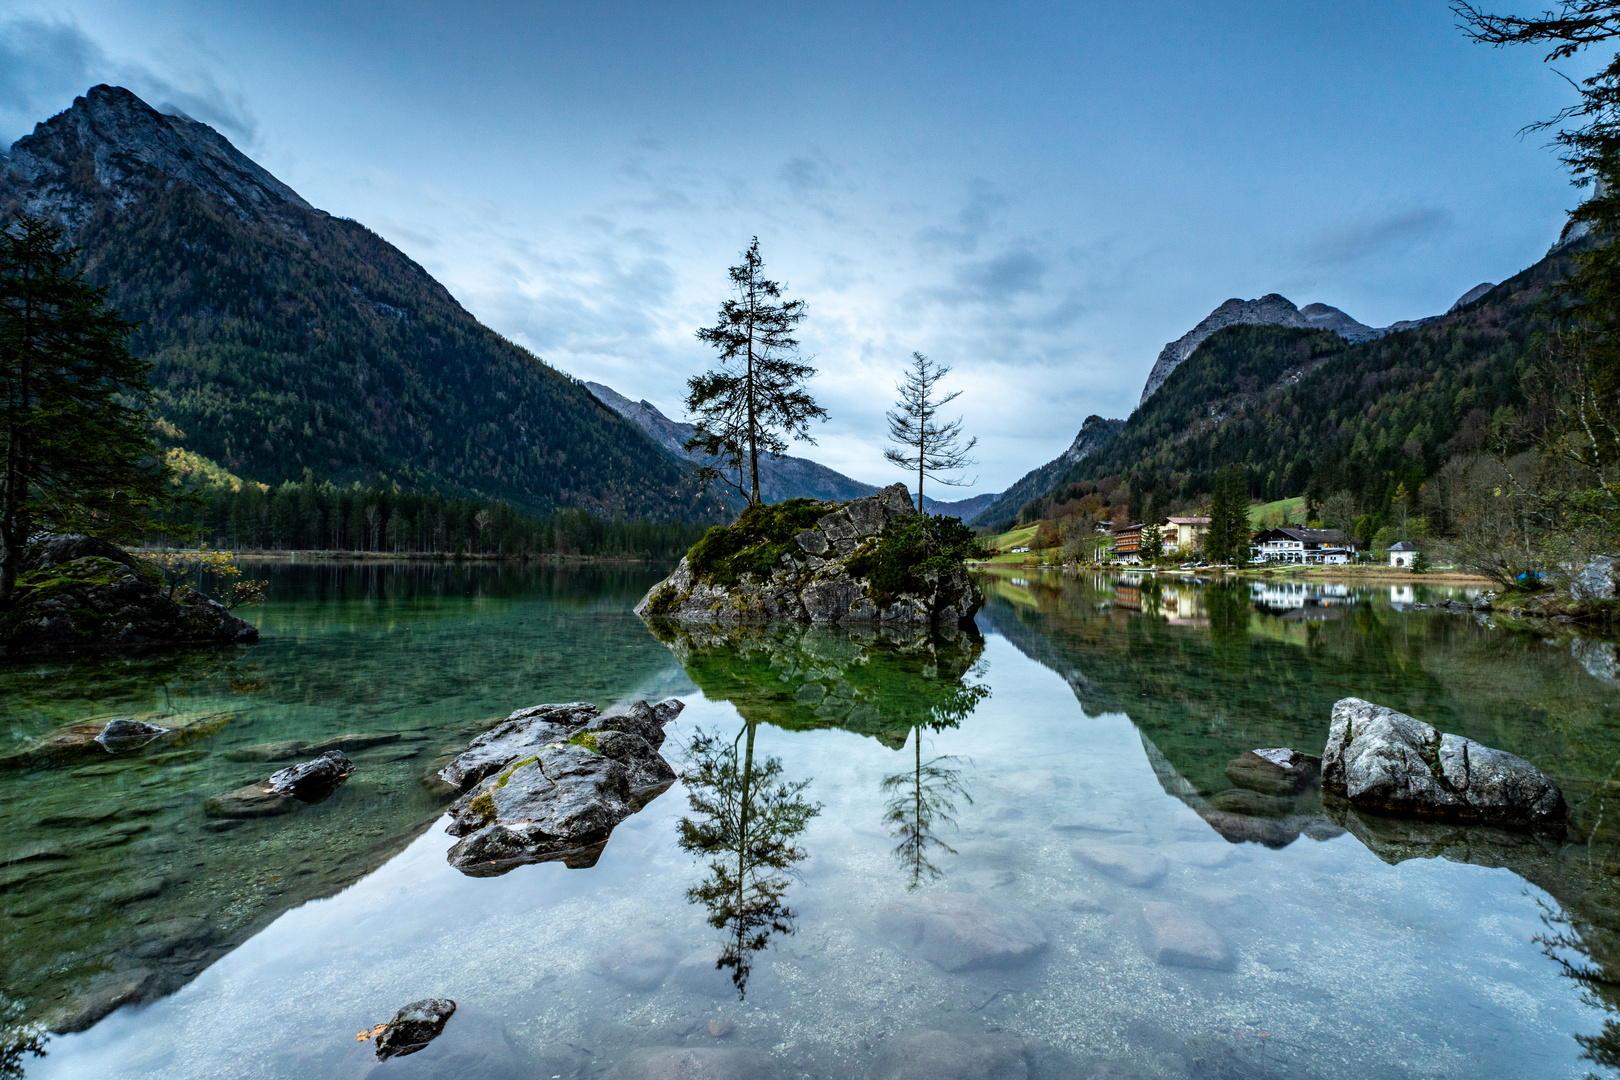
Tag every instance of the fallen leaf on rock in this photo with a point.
(372, 1034)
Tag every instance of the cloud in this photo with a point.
(979, 213)
(1377, 236)
(45, 64)
(1004, 278)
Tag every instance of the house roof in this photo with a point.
(1304, 536)
(1118, 530)
(1186, 521)
(1404, 545)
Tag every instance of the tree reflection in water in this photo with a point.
(922, 800)
(746, 819)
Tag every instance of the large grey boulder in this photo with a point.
(312, 781)
(1594, 580)
(518, 736)
(550, 784)
(813, 583)
(1384, 760)
(1181, 938)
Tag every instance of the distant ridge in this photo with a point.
(779, 477)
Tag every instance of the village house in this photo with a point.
(1128, 543)
(1184, 534)
(1326, 547)
(1402, 554)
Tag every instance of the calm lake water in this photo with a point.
(1024, 837)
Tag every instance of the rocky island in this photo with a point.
(78, 593)
(873, 560)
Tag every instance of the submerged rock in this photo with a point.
(552, 782)
(1384, 760)
(694, 1063)
(1274, 772)
(1135, 866)
(251, 801)
(413, 1027)
(128, 734)
(1179, 938)
(942, 1055)
(78, 593)
(814, 575)
(313, 781)
(959, 931)
(643, 961)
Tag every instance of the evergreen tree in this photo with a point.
(756, 394)
(931, 448)
(1152, 542)
(1227, 540)
(77, 453)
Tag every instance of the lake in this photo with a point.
(1008, 853)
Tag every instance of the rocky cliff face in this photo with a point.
(1093, 435)
(816, 578)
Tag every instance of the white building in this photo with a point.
(1326, 547)
(1402, 554)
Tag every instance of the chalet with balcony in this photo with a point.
(1184, 533)
(1320, 547)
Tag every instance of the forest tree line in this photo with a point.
(318, 516)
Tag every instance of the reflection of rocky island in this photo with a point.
(878, 682)
(873, 560)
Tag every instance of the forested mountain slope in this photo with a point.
(288, 341)
(1306, 412)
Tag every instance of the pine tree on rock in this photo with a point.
(755, 395)
(930, 448)
(77, 454)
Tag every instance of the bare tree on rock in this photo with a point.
(931, 448)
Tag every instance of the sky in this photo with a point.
(1038, 195)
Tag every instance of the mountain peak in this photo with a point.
(112, 140)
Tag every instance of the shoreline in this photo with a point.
(305, 557)
(1371, 575)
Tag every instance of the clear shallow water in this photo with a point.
(1092, 717)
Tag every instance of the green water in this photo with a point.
(1090, 715)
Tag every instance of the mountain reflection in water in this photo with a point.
(1209, 669)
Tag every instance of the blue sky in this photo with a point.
(1040, 195)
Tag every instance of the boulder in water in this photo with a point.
(413, 1027)
(1181, 938)
(1135, 866)
(1384, 760)
(548, 792)
(313, 781)
(125, 734)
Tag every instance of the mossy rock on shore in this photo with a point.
(77, 593)
(872, 560)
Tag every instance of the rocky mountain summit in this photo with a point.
(286, 340)
(130, 145)
(872, 560)
(1277, 310)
